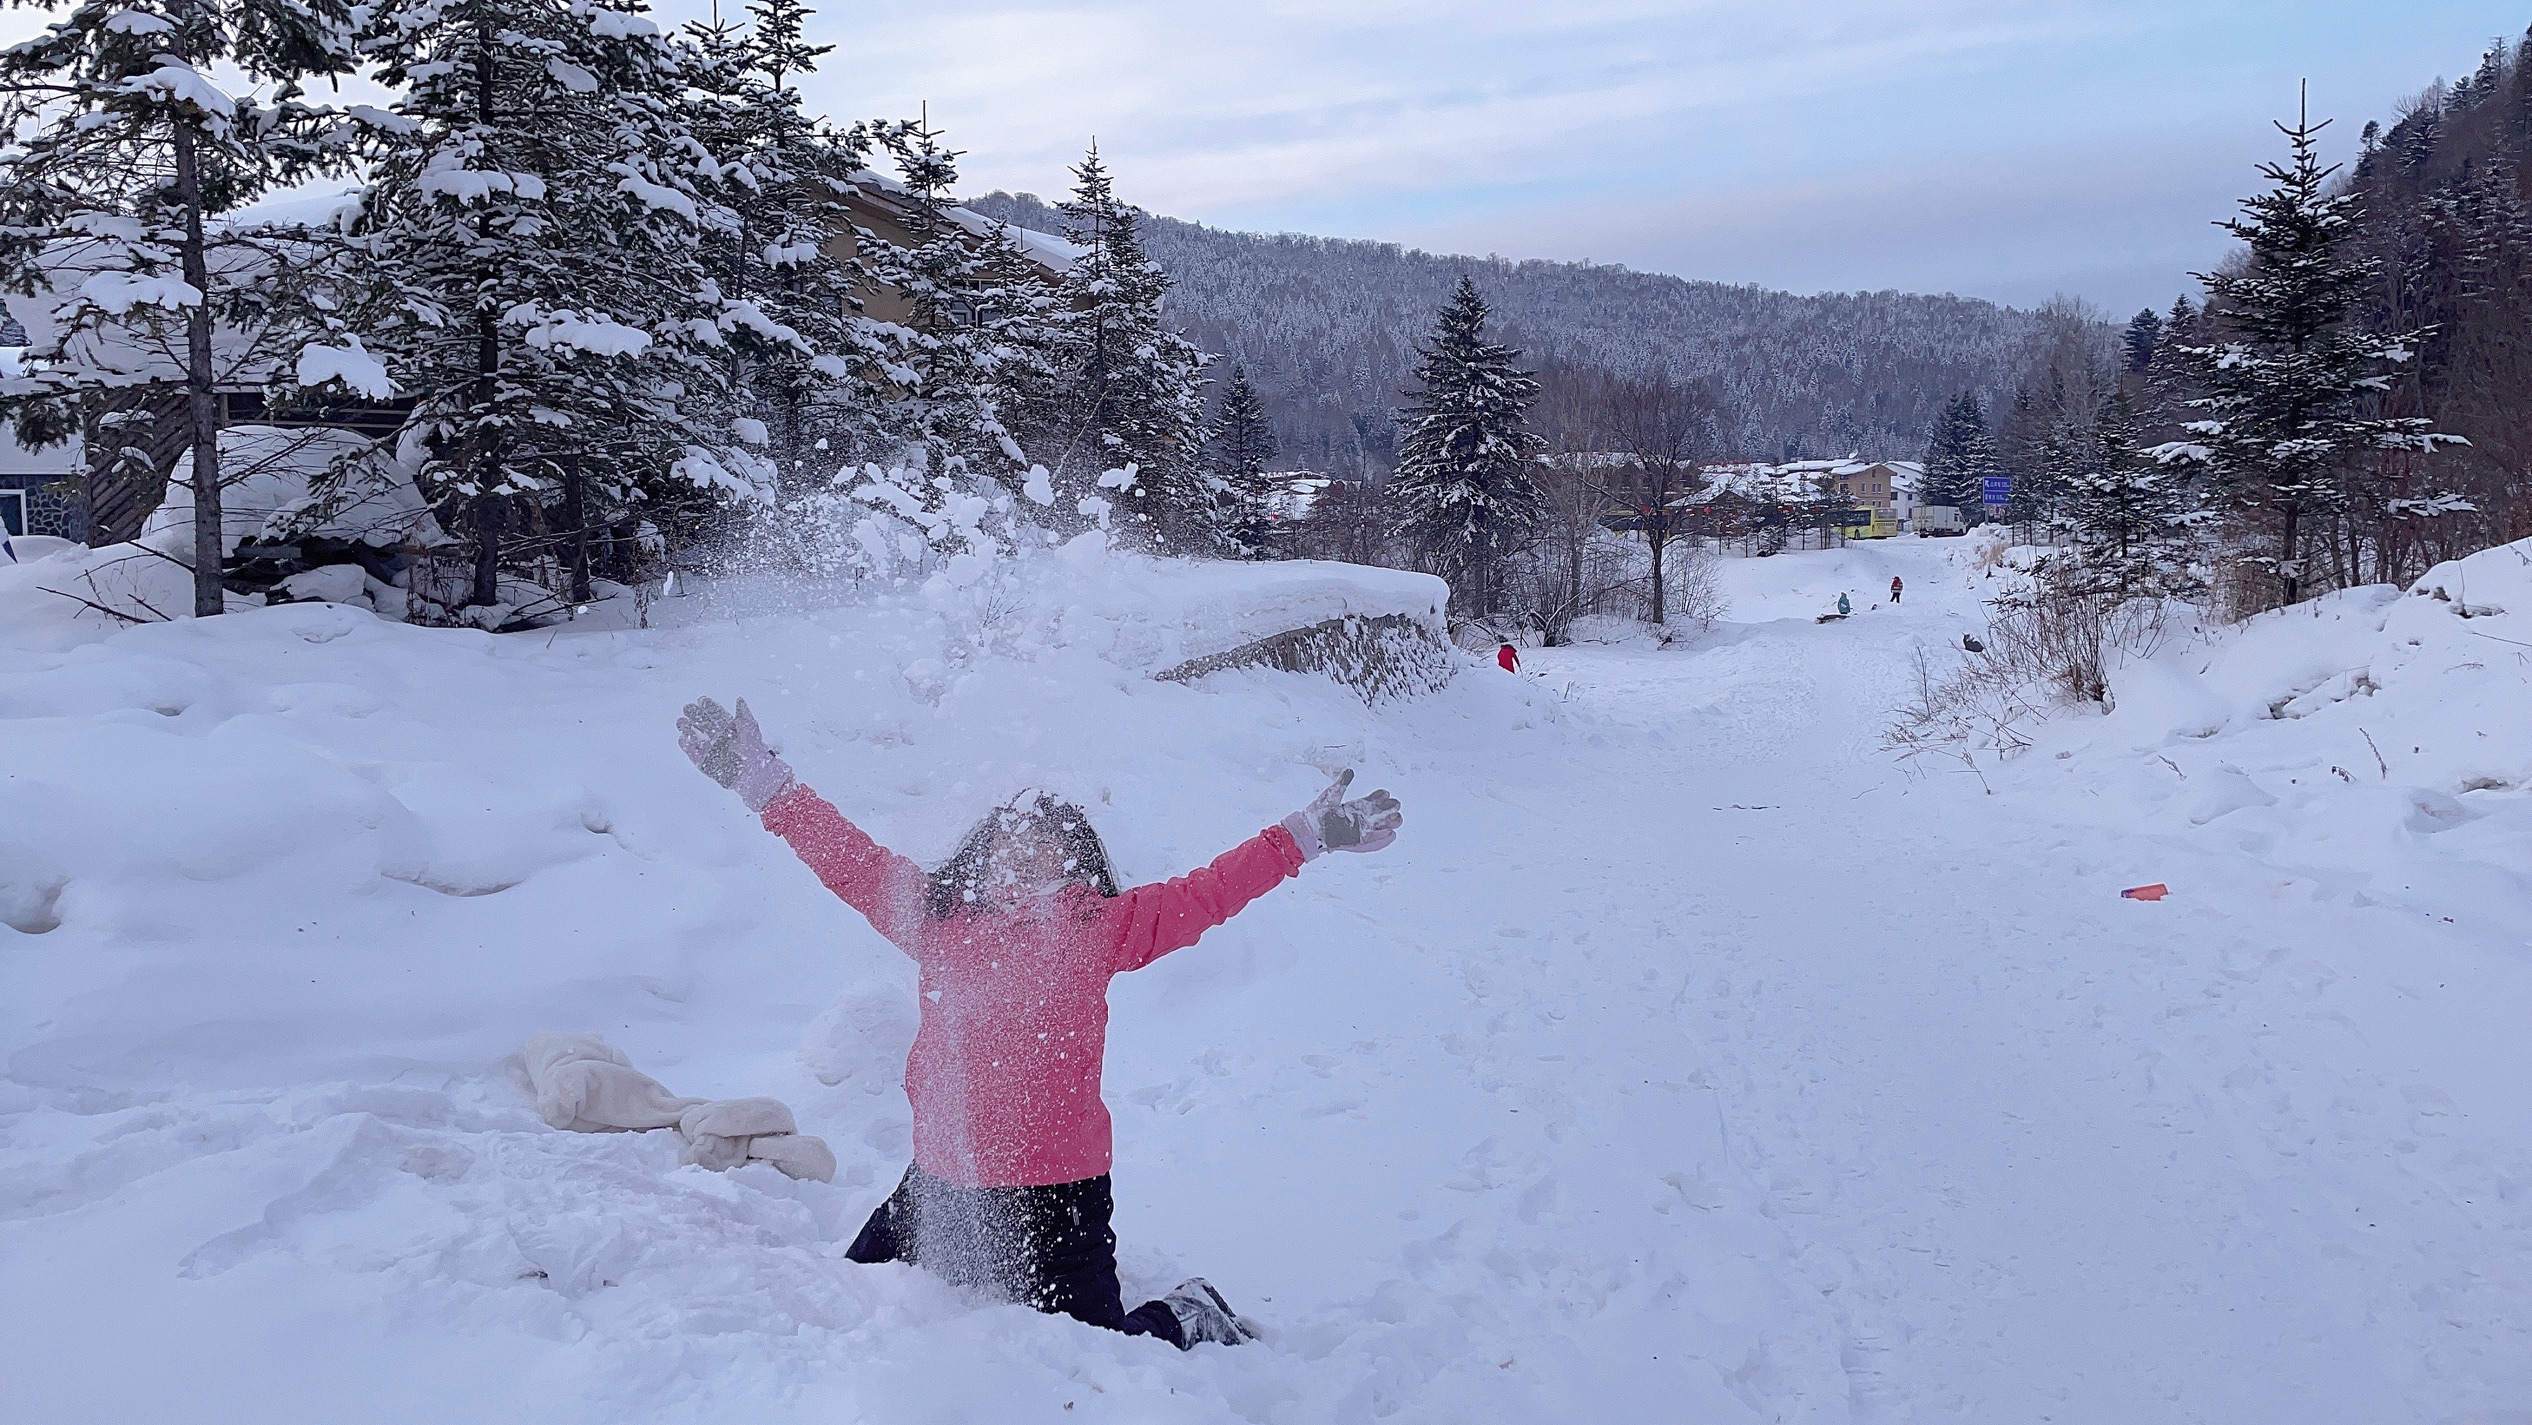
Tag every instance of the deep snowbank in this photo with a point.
(1684, 1060)
(285, 889)
(2377, 738)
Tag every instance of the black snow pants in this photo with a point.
(1047, 1247)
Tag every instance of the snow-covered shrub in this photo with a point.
(1693, 587)
(2042, 651)
(1553, 586)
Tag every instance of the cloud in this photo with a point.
(2122, 226)
(2000, 148)
(2003, 148)
(1215, 107)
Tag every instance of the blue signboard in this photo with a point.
(1996, 490)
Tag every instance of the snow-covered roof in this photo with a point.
(1296, 492)
(146, 341)
(1047, 250)
(1794, 479)
(275, 487)
(314, 206)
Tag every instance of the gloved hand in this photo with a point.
(1331, 823)
(732, 751)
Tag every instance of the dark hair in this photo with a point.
(960, 883)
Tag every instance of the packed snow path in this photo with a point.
(2051, 1155)
(1685, 1060)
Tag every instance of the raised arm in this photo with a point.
(1150, 921)
(1153, 920)
(885, 887)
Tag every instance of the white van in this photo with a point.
(1937, 521)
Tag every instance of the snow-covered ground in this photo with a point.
(1686, 1059)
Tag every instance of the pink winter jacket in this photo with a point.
(1004, 1077)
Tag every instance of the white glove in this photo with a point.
(732, 751)
(1331, 823)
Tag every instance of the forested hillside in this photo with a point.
(1327, 329)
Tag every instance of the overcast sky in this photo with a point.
(1996, 148)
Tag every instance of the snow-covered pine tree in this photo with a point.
(1243, 446)
(2521, 118)
(2127, 519)
(2055, 443)
(1959, 456)
(2144, 334)
(2291, 369)
(972, 352)
(2181, 330)
(531, 229)
(799, 353)
(123, 156)
(1464, 496)
(1128, 424)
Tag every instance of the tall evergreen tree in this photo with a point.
(775, 183)
(2180, 331)
(123, 156)
(533, 230)
(2128, 518)
(2044, 450)
(1464, 495)
(1128, 424)
(1959, 457)
(2522, 116)
(1243, 446)
(2290, 374)
(2144, 334)
(972, 353)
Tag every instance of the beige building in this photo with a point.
(877, 204)
(1885, 487)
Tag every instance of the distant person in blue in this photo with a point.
(1843, 607)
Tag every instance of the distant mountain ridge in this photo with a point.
(1327, 329)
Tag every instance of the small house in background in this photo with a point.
(1296, 493)
(1863, 499)
(877, 205)
(40, 490)
(1884, 490)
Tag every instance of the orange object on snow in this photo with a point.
(2153, 892)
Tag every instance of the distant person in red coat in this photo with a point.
(1510, 660)
(1894, 588)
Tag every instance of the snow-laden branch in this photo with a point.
(179, 84)
(594, 335)
(351, 364)
(117, 293)
(448, 177)
(656, 197)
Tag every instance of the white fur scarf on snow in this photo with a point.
(586, 1085)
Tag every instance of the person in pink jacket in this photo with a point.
(1015, 938)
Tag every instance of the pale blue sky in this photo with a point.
(1998, 148)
